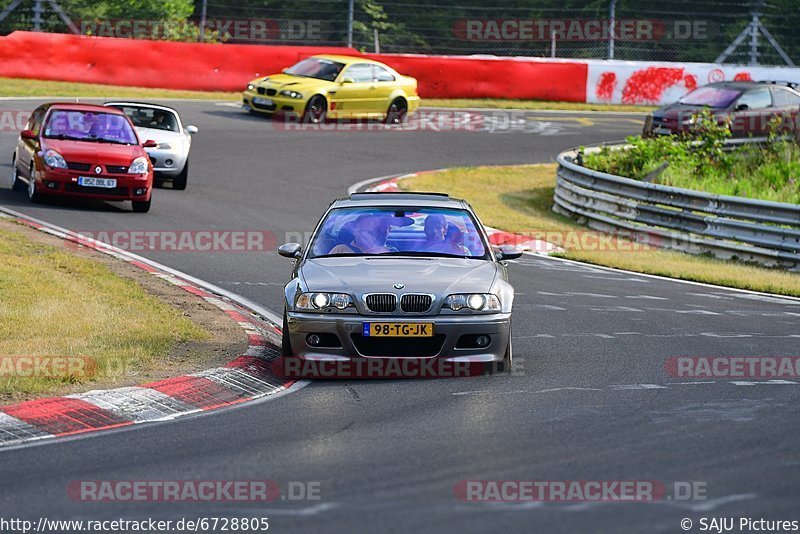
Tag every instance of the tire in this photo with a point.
(33, 194)
(316, 110)
(16, 183)
(179, 182)
(505, 365)
(286, 342)
(141, 206)
(397, 112)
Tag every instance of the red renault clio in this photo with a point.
(83, 150)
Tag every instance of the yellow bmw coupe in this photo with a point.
(336, 87)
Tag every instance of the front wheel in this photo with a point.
(286, 342)
(179, 182)
(316, 110)
(505, 365)
(398, 111)
(141, 206)
(16, 183)
(33, 194)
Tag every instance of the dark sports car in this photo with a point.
(749, 107)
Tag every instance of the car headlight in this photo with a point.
(322, 301)
(164, 146)
(472, 301)
(55, 160)
(291, 94)
(250, 86)
(139, 166)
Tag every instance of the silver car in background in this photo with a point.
(399, 275)
(163, 125)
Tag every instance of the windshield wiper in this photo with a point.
(65, 137)
(104, 140)
(419, 254)
(342, 255)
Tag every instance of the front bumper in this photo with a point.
(280, 104)
(168, 162)
(448, 331)
(64, 182)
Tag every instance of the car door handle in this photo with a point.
(373, 86)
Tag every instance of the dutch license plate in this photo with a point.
(91, 181)
(398, 329)
(262, 101)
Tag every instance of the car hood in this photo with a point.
(684, 111)
(295, 83)
(358, 275)
(160, 136)
(87, 152)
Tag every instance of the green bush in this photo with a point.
(699, 161)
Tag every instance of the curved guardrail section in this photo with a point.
(727, 227)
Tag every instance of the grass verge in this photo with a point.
(10, 87)
(768, 172)
(519, 199)
(68, 310)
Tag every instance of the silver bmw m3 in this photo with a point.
(396, 276)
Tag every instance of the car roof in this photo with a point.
(743, 85)
(74, 106)
(347, 60)
(395, 199)
(139, 105)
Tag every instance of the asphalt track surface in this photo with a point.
(590, 399)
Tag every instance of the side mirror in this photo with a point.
(28, 134)
(191, 130)
(149, 144)
(508, 252)
(742, 107)
(290, 250)
(348, 80)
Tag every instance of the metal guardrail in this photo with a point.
(727, 227)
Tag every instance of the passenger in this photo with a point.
(369, 237)
(435, 229)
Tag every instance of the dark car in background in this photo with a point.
(749, 107)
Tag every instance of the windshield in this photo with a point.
(147, 117)
(322, 69)
(90, 126)
(714, 97)
(426, 232)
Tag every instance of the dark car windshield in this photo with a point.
(322, 69)
(426, 232)
(713, 97)
(90, 126)
(147, 117)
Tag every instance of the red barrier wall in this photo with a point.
(142, 63)
(474, 77)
